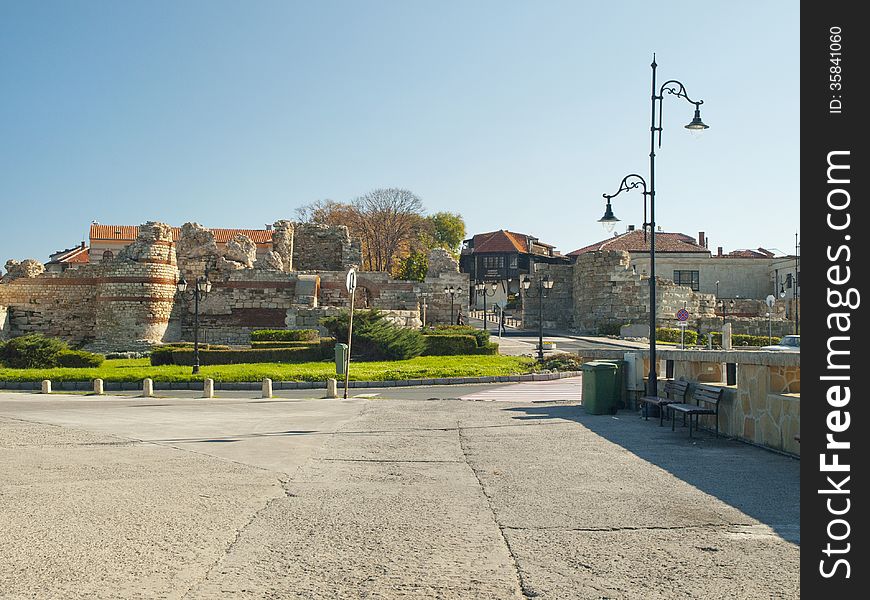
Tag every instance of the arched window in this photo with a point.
(108, 255)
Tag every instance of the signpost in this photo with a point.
(350, 284)
(682, 317)
(771, 299)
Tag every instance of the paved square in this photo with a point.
(385, 497)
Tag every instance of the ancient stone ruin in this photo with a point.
(131, 301)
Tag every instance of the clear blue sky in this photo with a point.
(518, 115)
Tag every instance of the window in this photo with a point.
(513, 261)
(493, 262)
(689, 278)
(108, 255)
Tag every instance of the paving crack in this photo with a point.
(523, 586)
(634, 527)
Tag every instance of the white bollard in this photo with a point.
(331, 388)
(147, 388)
(46, 386)
(267, 388)
(208, 388)
(98, 387)
(726, 336)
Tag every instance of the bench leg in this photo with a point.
(662, 409)
(673, 420)
(717, 423)
(646, 411)
(690, 425)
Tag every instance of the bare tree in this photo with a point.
(387, 221)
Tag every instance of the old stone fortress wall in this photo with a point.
(128, 300)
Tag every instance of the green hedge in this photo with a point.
(481, 336)
(284, 335)
(445, 344)
(202, 346)
(673, 335)
(184, 356)
(291, 344)
(79, 359)
(491, 348)
(35, 351)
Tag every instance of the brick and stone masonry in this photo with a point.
(131, 302)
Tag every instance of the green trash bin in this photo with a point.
(620, 394)
(599, 388)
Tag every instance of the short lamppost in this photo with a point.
(544, 283)
(453, 292)
(671, 87)
(482, 289)
(201, 288)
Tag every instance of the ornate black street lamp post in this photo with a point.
(201, 288)
(483, 290)
(673, 88)
(545, 283)
(453, 292)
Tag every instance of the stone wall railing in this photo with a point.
(762, 408)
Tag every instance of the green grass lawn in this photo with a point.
(423, 367)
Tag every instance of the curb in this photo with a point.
(283, 385)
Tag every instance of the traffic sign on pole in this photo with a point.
(682, 314)
(350, 282)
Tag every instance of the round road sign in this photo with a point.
(682, 314)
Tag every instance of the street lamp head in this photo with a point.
(525, 282)
(547, 282)
(697, 124)
(479, 286)
(782, 294)
(447, 290)
(493, 286)
(609, 220)
(181, 285)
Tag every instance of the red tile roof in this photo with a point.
(504, 241)
(760, 253)
(633, 241)
(78, 255)
(128, 233)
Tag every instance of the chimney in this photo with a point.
(701, 238)
(268, 227)
(719, 251)
(631, 227)
(83, 245)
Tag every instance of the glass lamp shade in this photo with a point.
(697, 124)
(493, 286)
(609, 220)
(525, 282)
(479, 286)
(548, 283)
(181, 285)
(446, 290)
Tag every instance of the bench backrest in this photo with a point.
(676, 389)
(708, 394)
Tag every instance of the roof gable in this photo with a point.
(637, 241)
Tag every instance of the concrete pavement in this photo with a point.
(383, 498)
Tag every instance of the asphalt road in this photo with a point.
(239, 497)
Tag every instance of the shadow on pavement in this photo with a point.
(762, 484)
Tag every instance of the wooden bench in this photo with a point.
(707, 394)
(675, 391)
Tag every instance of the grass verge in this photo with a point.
(422, 367)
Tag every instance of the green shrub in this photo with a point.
(284, 335)
(376, 338)
(481, 336)
(34, 351)
(202, 346)
(79, 359)
(162, 355)
(664, 334)
(491, 349)
(562, 361)
(446, 344)
(184, 356)
(741, 339)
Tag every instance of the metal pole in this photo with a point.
(769, 329)
(540, 320)
(797, 322)
(484, 309)
(196, 327)
(653, 383)
(349, 338)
